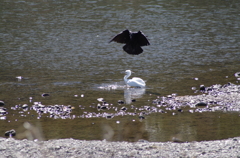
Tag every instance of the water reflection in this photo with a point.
(133, 93)
(131, 131)
(129, 93)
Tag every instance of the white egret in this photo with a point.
(135, 81)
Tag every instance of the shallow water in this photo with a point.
(62, 48)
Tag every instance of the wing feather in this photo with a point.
(123, 37)
(136, 82)
(140, 38)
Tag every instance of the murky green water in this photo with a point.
(61, 48)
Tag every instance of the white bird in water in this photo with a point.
(135, 81)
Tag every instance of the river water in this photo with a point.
(62, 48)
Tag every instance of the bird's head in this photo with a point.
(128, 72)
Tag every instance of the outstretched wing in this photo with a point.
(123, 37)
(140, 38)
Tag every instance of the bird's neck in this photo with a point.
(125, 78)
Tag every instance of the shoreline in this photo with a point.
(214, 98)
(10, 147)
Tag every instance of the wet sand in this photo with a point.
(80, 148)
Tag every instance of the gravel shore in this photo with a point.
(214, 98)
(12, 148)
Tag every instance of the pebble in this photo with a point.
(194, 88)
(109, 116)
(202, 88)
(237, 74)
(100, 99)
(19, 78)
(124, 108)
(2, 103)
(180, 110)
(201, 104)
(10, 133)
(3, 117)
(45, 95)
(24, 106)
(120, 102)
(3, 111)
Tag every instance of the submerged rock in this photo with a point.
(2, 103)
(123, 108)
(237, 74)
(24, 106)
(10, 133)
(201, 104)
(3, 111)
(180, 110)
(45, 95)
(120, 102)
(202, 88)
(100, 99)
(109, 116)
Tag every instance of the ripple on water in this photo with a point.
(115, 86)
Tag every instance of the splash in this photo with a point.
(115, 86)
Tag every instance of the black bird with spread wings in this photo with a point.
(132, 40)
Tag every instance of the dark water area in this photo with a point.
(61, 48)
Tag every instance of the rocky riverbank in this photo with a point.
(213, 98)
(81, 148)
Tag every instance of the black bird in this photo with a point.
(132, 40)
